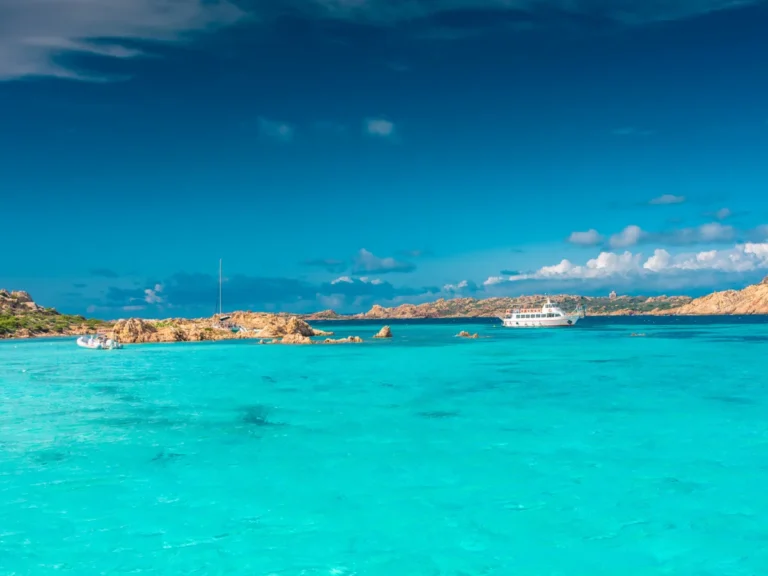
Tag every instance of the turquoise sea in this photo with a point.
(581, 451)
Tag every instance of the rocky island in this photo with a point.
(21, 317)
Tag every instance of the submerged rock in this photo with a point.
(347, 340)
(385, 332)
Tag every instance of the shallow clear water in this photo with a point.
(548, 452)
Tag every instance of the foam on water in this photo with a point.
(550, 452)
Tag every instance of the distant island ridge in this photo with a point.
(21, 317)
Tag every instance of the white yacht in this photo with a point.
(98, 342)
(548, 316)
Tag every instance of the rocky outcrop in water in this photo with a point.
(347, 340)
(296, 339)
(284, 329)
(135, 331)
(385, 332)
(275, 325)
(465, 334)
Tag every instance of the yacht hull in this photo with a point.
(564, 322)
(95, 345)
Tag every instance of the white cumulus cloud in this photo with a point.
(630, 236)
(153, 295)
(589, 238)
(465, 286)
(748, 257)
(342, 279)
(668, 199)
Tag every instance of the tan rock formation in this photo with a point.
(296, 339)
(133, 330)
(494, 307)
(275, 325)
(465, 334)
(385, 332)
(21, 317)
(324, 315)
(750, 300)
(269, 326)
(378, 312)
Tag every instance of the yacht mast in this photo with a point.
(219, 286)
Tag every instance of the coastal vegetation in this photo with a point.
(21, 317)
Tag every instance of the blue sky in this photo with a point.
(337, 153)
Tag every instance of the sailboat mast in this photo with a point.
(219, 286)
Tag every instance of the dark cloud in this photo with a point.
(200, 292)
(104, 273)
(465, 16)
(123, 296)
(368, 263)
(356, 288)
(328, 264)
(240, 290)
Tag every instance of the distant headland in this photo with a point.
(750, 300)
(494, 307)
(21, 317)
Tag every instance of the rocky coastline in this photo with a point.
(21, 317)
(752, 300)
(495, 307)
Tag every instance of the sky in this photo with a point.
(341, 153)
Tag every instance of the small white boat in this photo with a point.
(548, 316)
(98, 343)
